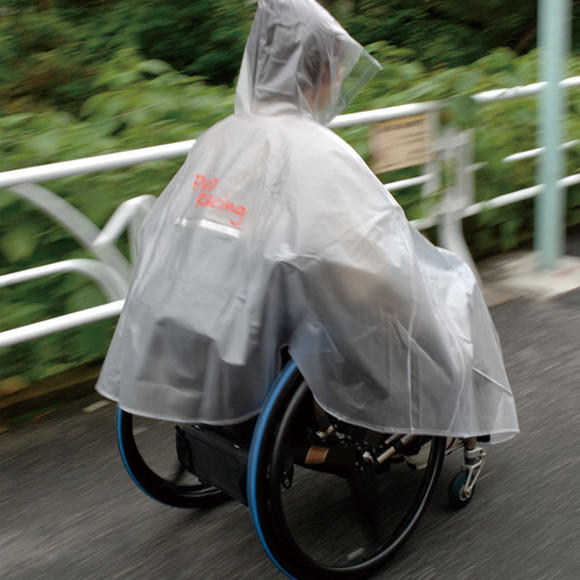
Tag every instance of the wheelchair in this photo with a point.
(327, 499)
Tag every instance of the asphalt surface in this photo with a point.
(68, 510)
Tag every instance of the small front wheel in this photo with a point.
(458, 498)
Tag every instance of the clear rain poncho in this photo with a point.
(275, 233)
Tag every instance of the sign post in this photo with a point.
(553, 29)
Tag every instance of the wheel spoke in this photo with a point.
(364, 489)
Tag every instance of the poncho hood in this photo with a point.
(298, 58)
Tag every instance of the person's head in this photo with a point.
(298, 57)
(322, 79)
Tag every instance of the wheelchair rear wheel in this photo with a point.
(147, 448)
(322, 502)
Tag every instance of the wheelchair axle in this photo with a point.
(395, 445)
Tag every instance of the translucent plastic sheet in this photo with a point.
(275, 232)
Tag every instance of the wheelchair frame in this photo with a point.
(285, 396)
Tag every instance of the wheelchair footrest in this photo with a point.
(214, 459)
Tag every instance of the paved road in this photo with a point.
(68, 510)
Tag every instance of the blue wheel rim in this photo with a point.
(257, 439)
(124, 456)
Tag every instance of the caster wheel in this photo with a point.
(457, 497)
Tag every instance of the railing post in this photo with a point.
(456, 149)
(433, 167)
(554, 26)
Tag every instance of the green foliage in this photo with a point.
(133, 103)
(201, 38)
(50, 49)
(50, 56)
(41, 61)
(85, 78)
(443, 32)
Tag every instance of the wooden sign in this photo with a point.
(401, 143)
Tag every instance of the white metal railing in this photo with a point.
(60, 323)
(94, 164)
(111, 271)
(9, 179)
(111, 283)
(518, 92)
(172, 150)
(535, 152)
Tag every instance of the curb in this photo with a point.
(48, 394)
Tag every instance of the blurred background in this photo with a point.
(82, 78)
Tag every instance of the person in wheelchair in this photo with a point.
(275, 235)
(275, 232)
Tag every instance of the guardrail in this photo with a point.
(111, 271)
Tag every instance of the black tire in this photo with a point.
(272, 468)
(162, 489)
(456, 494)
